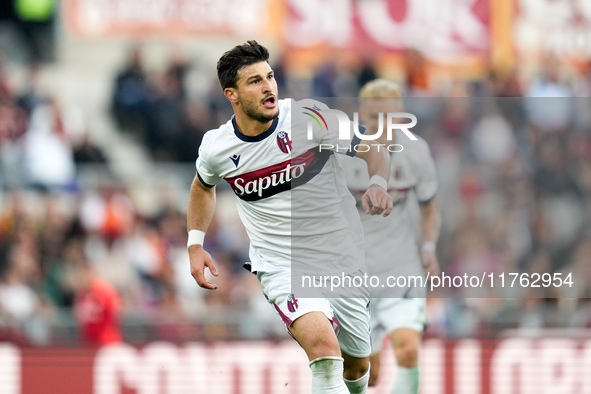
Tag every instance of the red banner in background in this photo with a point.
(453, 36)
(445, 31)
(512, 365)
(439, 28)
(166, 18)
(561, 27)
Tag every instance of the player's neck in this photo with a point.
(249, 126)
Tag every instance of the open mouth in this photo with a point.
(269, 102)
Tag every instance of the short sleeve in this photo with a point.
(426, 175)
(206, 169)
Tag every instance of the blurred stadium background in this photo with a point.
(103, 104)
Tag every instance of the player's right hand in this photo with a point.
(199, 260)
(376, 200)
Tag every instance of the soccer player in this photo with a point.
(255, 153)
(400, 312)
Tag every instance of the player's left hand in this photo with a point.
(430, 263)
(376, 200)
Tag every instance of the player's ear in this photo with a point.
(231, 94)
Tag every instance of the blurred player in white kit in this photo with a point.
(390, 245)
(256, 154)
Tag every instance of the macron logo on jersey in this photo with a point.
(235, 159)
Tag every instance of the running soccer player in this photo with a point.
(400, 312)
(255, 153)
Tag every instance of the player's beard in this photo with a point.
(250, 109)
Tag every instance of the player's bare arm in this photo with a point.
(376, 199)
(430, 226)
(199, 215)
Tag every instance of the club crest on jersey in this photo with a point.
(283, 142)
(292, 303)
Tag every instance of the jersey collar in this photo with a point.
(256, 138)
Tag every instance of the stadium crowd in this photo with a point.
(513, 155)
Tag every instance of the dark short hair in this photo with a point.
(236, 59)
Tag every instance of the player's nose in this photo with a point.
(267, 86)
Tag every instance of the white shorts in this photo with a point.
(350, 316)
(389, 314)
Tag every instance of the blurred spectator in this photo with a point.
(549, 83)
(85, 151)
(493, 139)
(35, 20)
(580, 270)
(5, 92)
(130, 94)
(31, 97)
(366, 73)
(13, 124)
(96, 305)
(418, 81)
(18, 301)
(281, 76)
(324, 80)
(177, 69)
(197, 120)
(165, 116)
(505, 83)
(47, 151)
(549, 104)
